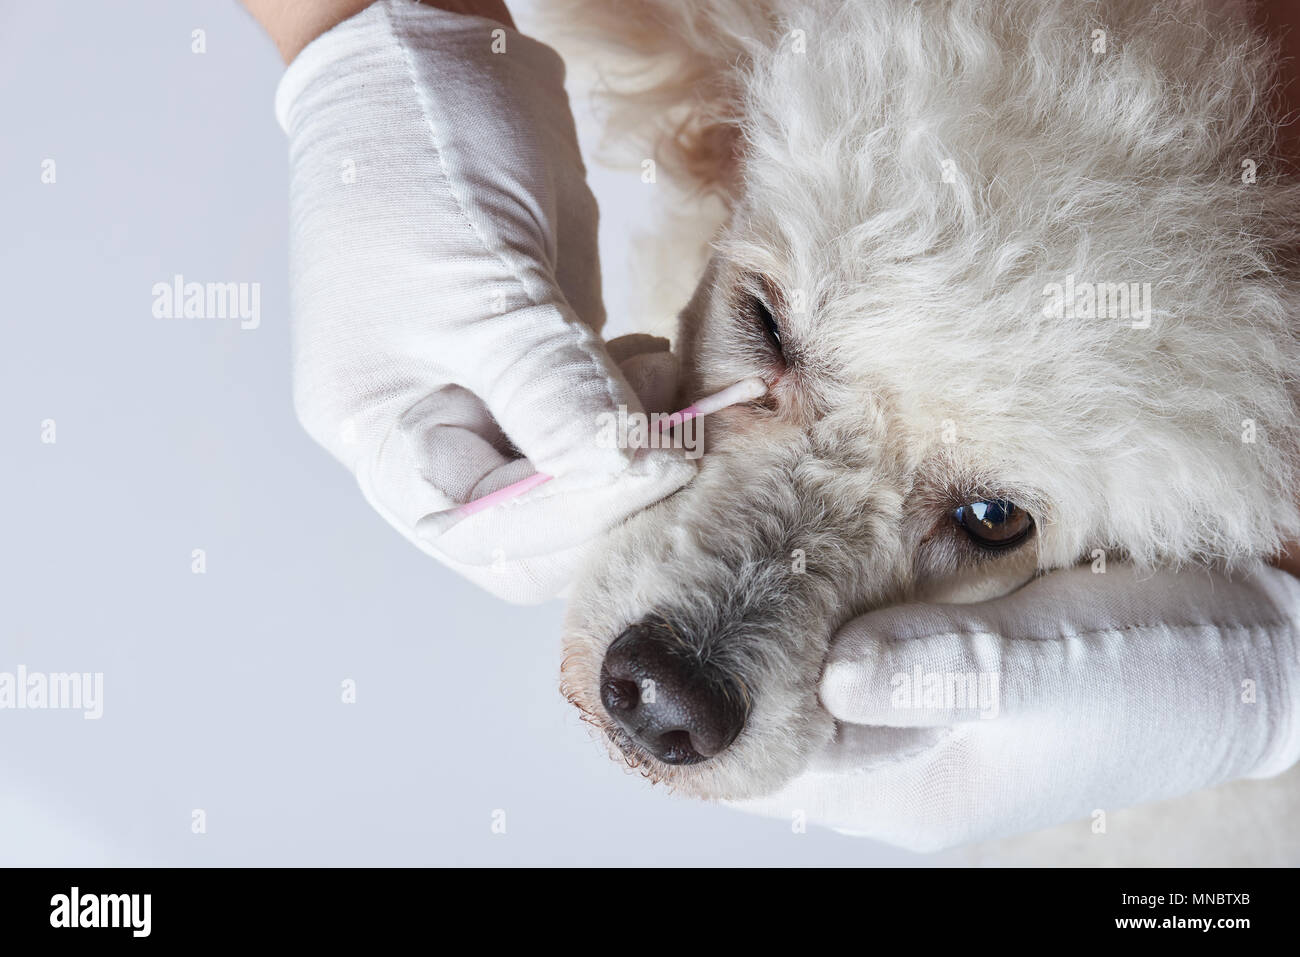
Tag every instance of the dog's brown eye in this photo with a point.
(994, 523)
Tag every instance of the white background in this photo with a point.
(222, 690)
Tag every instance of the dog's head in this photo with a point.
(1017, 306)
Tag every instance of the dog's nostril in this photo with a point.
(676, 747)
(655, 688)
(619, 694)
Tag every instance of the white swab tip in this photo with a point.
(746, 390)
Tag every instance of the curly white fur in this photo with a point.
(911, 178)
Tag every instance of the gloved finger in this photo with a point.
(571, 509)
(562, 513)
(906, 787)
(653, 376)
(456, 443)
(926, 789)
(462, 452)
(557, 538)
(548, 381)
(634, 344)
(448, 451)
(1056, 643)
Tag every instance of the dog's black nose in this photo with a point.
(657, 690)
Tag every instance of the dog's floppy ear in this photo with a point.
(672, 71)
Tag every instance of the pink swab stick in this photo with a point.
(745, 390)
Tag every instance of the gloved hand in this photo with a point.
(1111, 690)
(446, 293)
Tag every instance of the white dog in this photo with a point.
(1016, 274)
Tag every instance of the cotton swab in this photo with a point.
(745, 390)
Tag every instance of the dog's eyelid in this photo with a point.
(759, 297)
(769, 293)
(762, 288)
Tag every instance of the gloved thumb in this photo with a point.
(1068, 641)
(450, 451)
(548, 380)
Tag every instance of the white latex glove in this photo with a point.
(445, 290)
(1115, 689)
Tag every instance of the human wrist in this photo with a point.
(293, 24)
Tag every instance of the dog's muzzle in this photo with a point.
(666, 699)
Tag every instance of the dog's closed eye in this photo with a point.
(756, 299)
(759, 309)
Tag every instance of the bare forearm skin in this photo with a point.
(292, 24)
